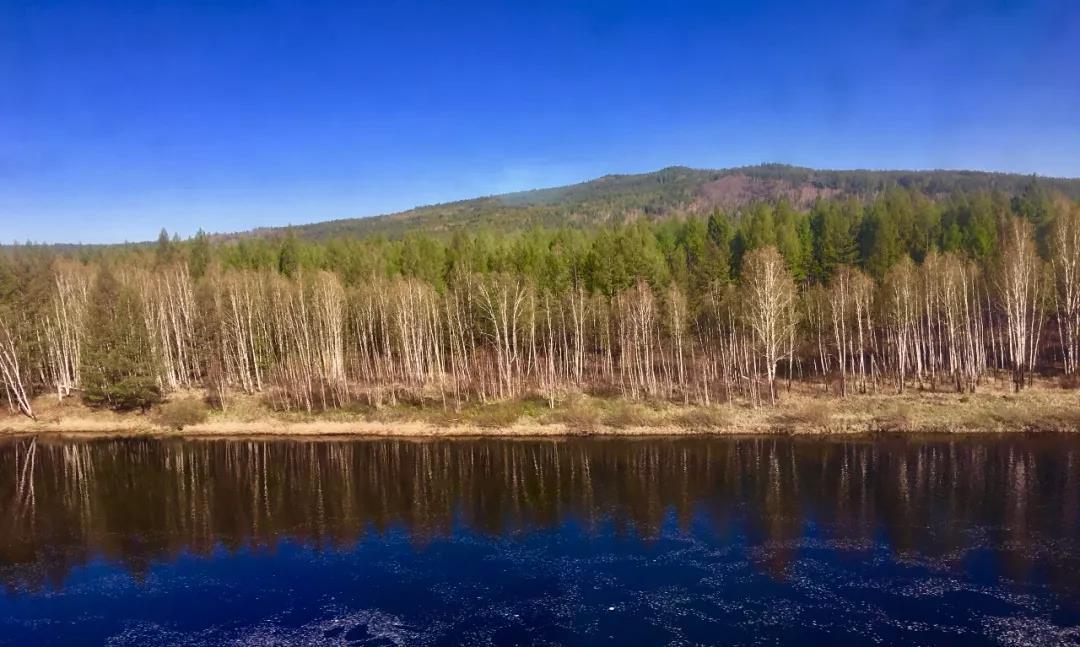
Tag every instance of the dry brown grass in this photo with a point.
(623, 415)
(896, 417)
(577, 416)
(1069, 382)
(812, 415)
(496, 415)
(803, 409)
(178, 414)
(405, 413)
(702, 418)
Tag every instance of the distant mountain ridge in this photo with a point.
(668, 192)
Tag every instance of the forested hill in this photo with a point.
(670, 191)
(931, 279)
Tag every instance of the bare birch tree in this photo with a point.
(12, 370)
(769, 294)
(1065, 259)
(1019, 278)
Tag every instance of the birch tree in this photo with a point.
(769, 294)
(1019, 280)
(12, 367)
(1065, 259)
(65, 326)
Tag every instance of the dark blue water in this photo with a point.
(950, 541)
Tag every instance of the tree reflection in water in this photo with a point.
(930, 500)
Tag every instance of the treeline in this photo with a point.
(673, 192)
(898, 292)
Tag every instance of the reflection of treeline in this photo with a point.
(897, 291)
(137, 501)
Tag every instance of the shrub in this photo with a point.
(126, 395)
(182, 413)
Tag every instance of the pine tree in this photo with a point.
(788, 240)
(117, 370)
(164, 249)
(834, 227)
(289, 255)
(880, 241)
(199, 258)
(760, 230)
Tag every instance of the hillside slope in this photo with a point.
(670, 191)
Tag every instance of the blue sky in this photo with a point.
(118, 118)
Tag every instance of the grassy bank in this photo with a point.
(802, 410)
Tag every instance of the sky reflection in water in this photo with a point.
(753, 541)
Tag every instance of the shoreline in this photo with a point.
(259, 431)
(801, 412)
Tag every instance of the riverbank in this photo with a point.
(802, 410)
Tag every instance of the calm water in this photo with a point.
(749, 541)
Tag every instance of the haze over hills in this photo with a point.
(664, 193)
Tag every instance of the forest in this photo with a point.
(901, 290)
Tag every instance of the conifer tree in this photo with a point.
(117, 369)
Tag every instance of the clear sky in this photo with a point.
(118, 118)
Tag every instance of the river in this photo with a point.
(948, 540)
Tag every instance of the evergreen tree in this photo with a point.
(834, 225)
(925, 226)
(199, 258)
(117, 369)
(1036, 206)
(164, 250)
(423, 258)
(719, 229)
(289, 255)
(880, 240)
(788, 240)
(982, 228)
(760, 228)
(716, 259)
(694, 241)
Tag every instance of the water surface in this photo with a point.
(939, 540)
